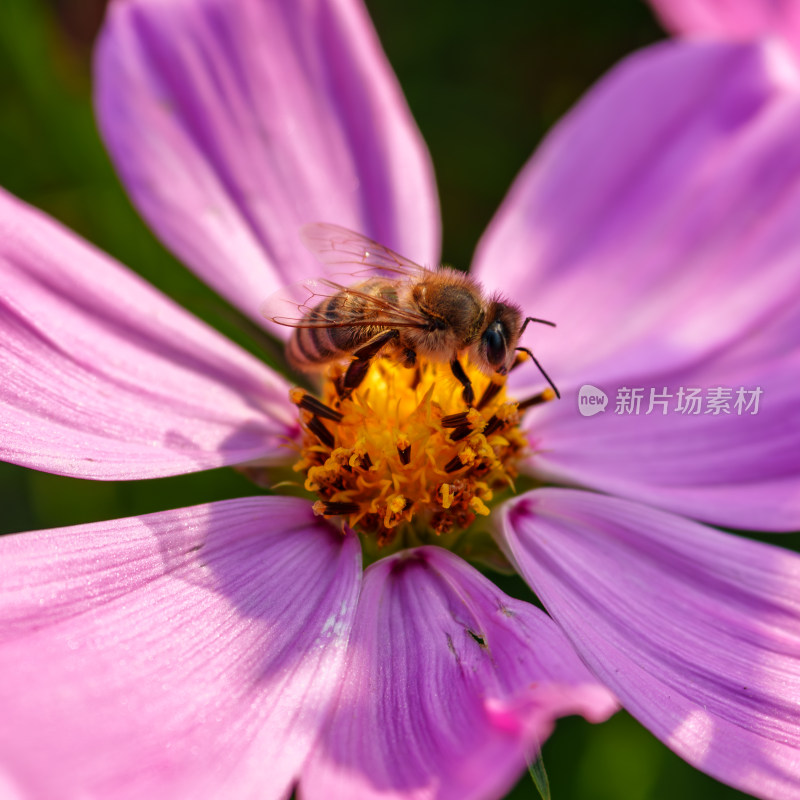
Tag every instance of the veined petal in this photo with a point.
(104, 377)
(732, 461)
(697, 631)
(449, 685)
(235, 122)
(658, 221)
(733, 19)
(190, 653)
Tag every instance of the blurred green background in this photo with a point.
(485, 83)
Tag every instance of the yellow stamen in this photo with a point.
(405, 449)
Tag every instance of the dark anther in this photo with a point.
(341, 508)
(492, 425)
(318, 408)
(536, 400)
(453, 464)
(405, 455)
(321, 432)
(520, 359)
(454, 420)
(460, 433)
(490, 393)
(366, 461)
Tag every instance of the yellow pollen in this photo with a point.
(405, 449)
(296, 394)
(478, 506)
(467, 456)
(447, 497)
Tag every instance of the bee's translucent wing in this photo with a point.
(294, 304)
(300, 305)
(338, 246)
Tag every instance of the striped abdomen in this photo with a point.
(315, 346)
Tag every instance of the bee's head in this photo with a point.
(494, 350)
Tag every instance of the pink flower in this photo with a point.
(237, 649)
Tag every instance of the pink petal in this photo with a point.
(697, 631)
(733, 19)
(103, 377)
(235, 122)
(191, 653)
(659, 221)
(449, 685)
(739, 469)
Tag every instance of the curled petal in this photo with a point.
(658, 222)
(190, 653)
(235, 122)
(104, 377)
(449, 685)
(697, 631)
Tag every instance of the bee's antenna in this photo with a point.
(541, 369)
(534, 319)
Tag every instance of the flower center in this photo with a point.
(404, 449)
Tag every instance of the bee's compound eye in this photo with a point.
(495, 344)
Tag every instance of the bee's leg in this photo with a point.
(463, 379)
(358, 367)
(409, 357)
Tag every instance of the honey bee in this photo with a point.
(403, 310)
